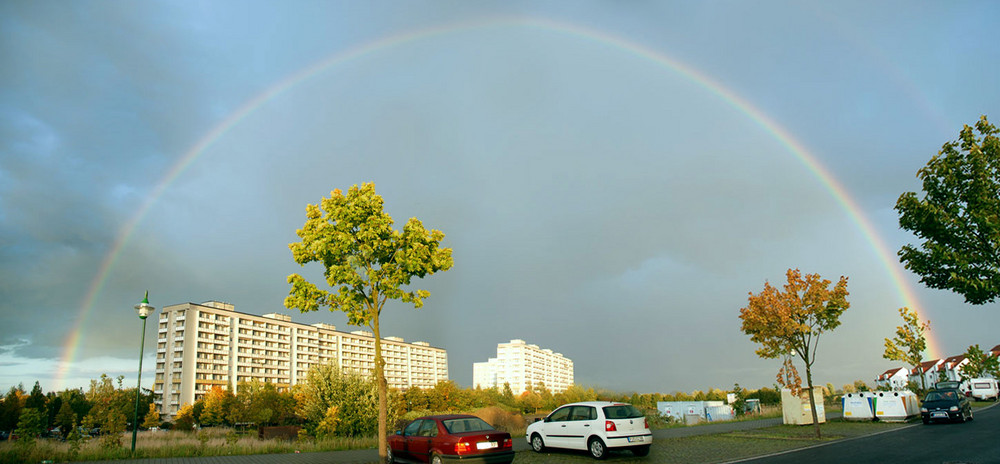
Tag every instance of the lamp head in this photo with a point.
(144, 309)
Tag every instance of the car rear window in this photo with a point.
(622, 411)
(938, 396)
(467, 424)
(982, 385)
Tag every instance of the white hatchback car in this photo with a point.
(594, 426)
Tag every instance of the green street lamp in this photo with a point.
(143, 309)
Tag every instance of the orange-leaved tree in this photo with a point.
(788, 323)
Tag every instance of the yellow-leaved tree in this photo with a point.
(788, 323)
(367, 263)
(909, 343)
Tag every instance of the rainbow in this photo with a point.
(829, 182)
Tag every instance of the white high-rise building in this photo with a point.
(203, 345)
(521, 365)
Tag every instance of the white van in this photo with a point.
(984, 389)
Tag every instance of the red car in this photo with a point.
(451, 438)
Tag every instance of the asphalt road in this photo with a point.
(972, 442)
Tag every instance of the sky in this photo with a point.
(614, 178)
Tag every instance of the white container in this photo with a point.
(719, 413)
(896, 406)
(859, 406)
(795, 409)
(681, 409)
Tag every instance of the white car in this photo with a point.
(594, 426)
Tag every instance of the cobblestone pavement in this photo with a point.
(524, 454)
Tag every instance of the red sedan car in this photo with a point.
(451, 438)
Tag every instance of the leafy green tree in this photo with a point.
(36, 400)
(217, 402)
(53, 403)
(352, 397)
(507, 395)
(909, 343)
(112, 429)
(111, 405)
(30, 425)
(789, 322)
(415, 399)
(367, 262)
(529, 402)
(769, 396)
(10, 407)
(65, 418)
(575, 394)
(980, 364)
(958, 218)
(739, 406)
(261, 403)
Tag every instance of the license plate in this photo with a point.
(486, 445)
(635, 439)
(940, 415)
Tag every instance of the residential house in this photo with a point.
(952, 367)
(928, 370)
(893, 379)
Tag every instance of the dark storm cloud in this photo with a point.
(588, 192)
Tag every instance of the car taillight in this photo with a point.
(462, 447)
(507, 443)
(645, 422)
(609, 426)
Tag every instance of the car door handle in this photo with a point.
(586, 425)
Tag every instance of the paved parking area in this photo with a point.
(370, 456)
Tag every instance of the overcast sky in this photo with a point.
(602, 200)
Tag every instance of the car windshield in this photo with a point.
(621, 411)
(467, 424)
(939, 396)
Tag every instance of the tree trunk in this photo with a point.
(812, 400)
(382, 391)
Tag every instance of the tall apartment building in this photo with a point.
(520, 365)
(203, 345)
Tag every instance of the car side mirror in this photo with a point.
(546, 420)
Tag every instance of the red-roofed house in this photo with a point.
(952, 366)
(894, 379)
(928, 370)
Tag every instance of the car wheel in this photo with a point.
(597, 449)
(436, 459)
(641, 451)
(537, 444)
(389, 457)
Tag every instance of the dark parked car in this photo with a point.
(946, 405)
(451, 438)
